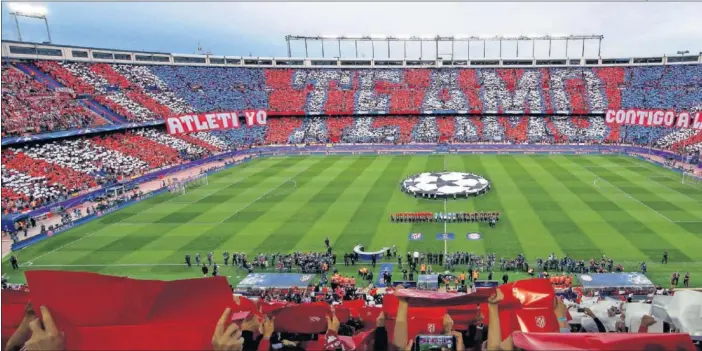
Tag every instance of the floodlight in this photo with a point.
(28, 10)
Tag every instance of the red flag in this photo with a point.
(354, 304)
(602, 341)
(98, 312)
(536, 320)
(527, 306)
(305, 319)
(422, 298)
(369, 315)
(534, 293)
(14, 303)
(463, 316)
(342, 314)
(430, 321)
(364, 340)
(269, 307)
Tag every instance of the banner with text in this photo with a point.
(204, 122)
(655, 118)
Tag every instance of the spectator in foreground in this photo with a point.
(34, 334)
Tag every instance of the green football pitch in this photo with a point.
(580, 206)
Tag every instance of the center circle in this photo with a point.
(441, 185)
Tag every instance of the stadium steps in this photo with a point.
(53, 84)
(40, 76)
(103, 111)
(90, 104)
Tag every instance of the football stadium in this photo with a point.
(449, 201)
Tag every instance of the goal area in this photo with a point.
(181, 186)
(690, 178)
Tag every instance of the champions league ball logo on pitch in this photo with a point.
(442, 185)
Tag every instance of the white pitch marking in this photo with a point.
(588, 167)
(262, 196)
(30, 262)
(113, 265)
(671, 189)
(624, 193)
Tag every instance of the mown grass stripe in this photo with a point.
(638, 190)
(434, 163)
(390, 234)
(573, 241)
(669, 179)
(291, 232)
(116, 250)
(529, 228)
(646, 223)
(95, 234)
(219, 237)
(487, 201)
(227, 193)
(281, 209)
(601, 219)
(501, 239)
(340, 212)
(364, 222)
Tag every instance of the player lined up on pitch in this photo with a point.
(469, 217)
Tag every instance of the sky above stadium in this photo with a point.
(258, 29)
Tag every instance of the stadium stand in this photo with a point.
(86, 157)
(185, 148)
(64, 179)
(425, 106)
(140, 93)
(50, 172)
(125, 93)
(30, 107)
(527, 314)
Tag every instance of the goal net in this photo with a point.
(691, 179)
(180, 186)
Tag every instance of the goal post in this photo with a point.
(196, 181)
(180, 186)
(691, 179)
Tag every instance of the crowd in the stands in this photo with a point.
(30, 107)
(525, 315)
(109, 157)
(140, 93)
(34, 102)
(38, 174)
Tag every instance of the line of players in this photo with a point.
(238, 259)
(470, 217)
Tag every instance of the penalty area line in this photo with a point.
(265, 194)
(622, 192)
(30, 262)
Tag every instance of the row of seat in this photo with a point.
(39, 174)
(29, 107)
(141, 93)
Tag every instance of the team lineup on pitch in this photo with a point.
(577, 206)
